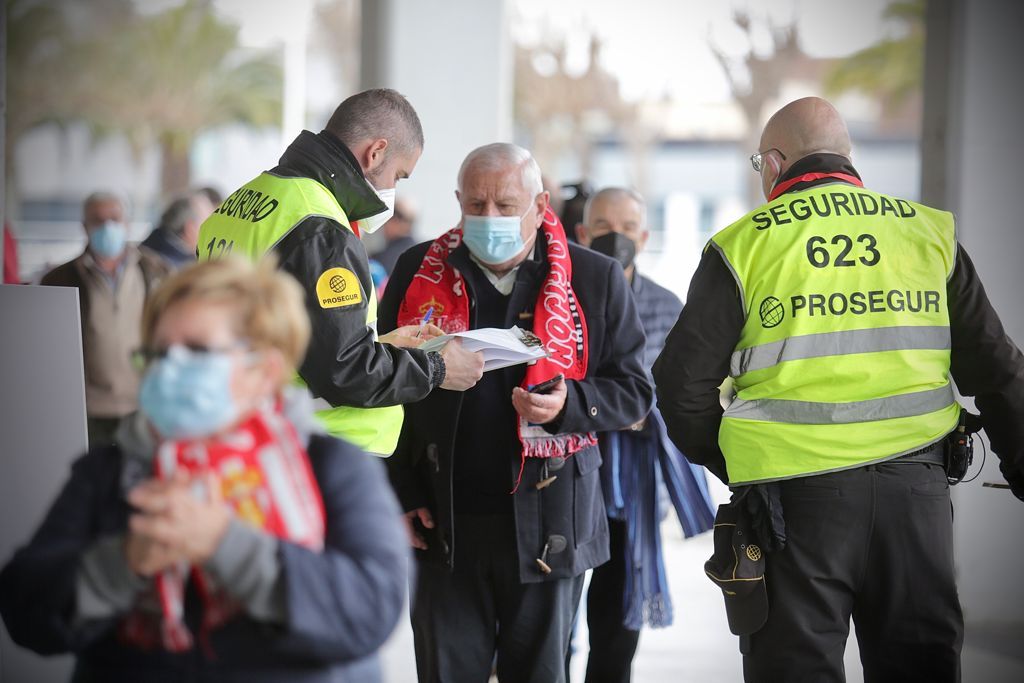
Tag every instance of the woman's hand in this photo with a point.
(172, 522)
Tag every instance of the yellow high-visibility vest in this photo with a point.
(844, 356)
(252, 221)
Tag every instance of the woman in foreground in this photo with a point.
(223, 537)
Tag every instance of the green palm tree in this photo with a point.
(179, 74)
(159, 79)
(892, 69)
(43, 86)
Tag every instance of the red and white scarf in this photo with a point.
(265, 476)
(557, 320)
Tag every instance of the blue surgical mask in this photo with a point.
(494, 239)
(187, 394)
(108, 240)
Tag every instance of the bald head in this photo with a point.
(806, 126)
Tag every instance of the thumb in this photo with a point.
(426, 518)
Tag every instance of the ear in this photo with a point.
(374, 154)
(582, 235)
(272, 373)
(542, 206)
(642, 242)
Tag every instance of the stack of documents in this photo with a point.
(501, 348)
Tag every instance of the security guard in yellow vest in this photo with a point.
(309, 211)
(842, 315)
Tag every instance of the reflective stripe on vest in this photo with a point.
(844, 355)
(251, 222)
(839, 344)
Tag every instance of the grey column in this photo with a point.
(453, 60)
(972, 150)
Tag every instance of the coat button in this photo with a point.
(593, 411)
(557, 543)
(444, 547)
(432, 456)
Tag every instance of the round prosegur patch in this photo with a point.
(338, 287)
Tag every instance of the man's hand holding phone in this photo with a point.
(543, 402)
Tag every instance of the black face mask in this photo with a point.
(616, 245)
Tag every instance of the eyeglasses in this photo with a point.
(141, 358)
(757, 157)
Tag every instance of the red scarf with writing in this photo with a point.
(266, 478)
(557, 320)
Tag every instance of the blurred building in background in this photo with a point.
(149, 98)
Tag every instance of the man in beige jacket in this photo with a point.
(113, 279)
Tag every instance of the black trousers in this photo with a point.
(874, 543)
(612, 645)
(461, 619)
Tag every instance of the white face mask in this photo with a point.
(374, 222)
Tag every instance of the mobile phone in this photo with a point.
(546, 386)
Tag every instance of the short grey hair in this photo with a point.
(500, 155)
(103, 197)
(377, 113)
(613, 193)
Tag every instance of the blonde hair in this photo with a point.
(267, 303)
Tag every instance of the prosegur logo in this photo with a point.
(338, 284)
(338, 287)
(771, 311)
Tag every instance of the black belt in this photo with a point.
(933, 454)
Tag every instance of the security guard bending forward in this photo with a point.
(309, 211)
(839, 312)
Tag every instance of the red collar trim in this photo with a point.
(808, 177)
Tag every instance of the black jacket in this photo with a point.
(985, 362)
(341, 603)
(658, 309)
(343, 364)
(615, 394)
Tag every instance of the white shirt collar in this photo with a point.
(503, 283)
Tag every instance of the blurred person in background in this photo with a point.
(397, 234)
(213, 194)
(175, 237)
(573, 198)
(500, 484)
(223, 536)
(310, 210)
(113, 279)
(11, 274)
(639, 463)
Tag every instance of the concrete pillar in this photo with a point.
(3, 128)
(971, 164)
(453, 60)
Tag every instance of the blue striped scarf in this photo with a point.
(636, 465)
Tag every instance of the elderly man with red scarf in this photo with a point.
(500, 485)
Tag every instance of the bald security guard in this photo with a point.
(843, 315)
